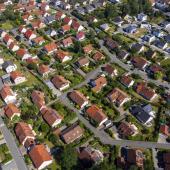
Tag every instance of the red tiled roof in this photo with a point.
(39, 155)
(95, 113)
(10, 110)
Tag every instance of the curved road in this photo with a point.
(106, 139)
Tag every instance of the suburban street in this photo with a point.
(15, 152)
(106, 139)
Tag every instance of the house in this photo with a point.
(110, 71)
(149, 38)
(67, 21)
(164, 129)
(51, 117)
(145, 25)
(98, 56)
(89, 156)
(65, 29)
(8, 66)
(150, 53)
(29, 34)
(44, 6)
(60, 82)
(17, 77)
(32, 60)
(76, 26)
(157, 33)
(80, 36)
(127, 81)
(63, 56)
(144, 114)
(67, 42)
(88, 49)
(105, 27)
(92, 20)
(27, 17)
(8, 39)
(49, 19)
(59, 15)
(51, 32)
(44, 70)
(139, 62)
(1, 61)
(81, 10)
(122, 54)
(137, 47)
(155, 68)
(65, 6)
(165, 25)
(161, 44)
(83, 62)
(131, 29)
(25, 134)
(166, 160)
(78, 98)
(38, 41)
(118, 97)
(142, 17)
(96, 114)
(111, 43)
(126, 129)
(145, 91)
(40, 157)
(118, 21)
(2, 33)
(23, 54)
(22, 29)
(37, 24)
(135, 157)
(11, 110)
(2, 7)
(89, 8)
(38, 99)
(167, 38)
(8, 95)
(98, 83)
(13, 46)
(72, 133)
(50, 48)
(6, 79)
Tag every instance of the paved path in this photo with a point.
(10, 166)
(17, 156)
(106, 139)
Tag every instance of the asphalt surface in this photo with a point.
(15, 152)
(106, 139)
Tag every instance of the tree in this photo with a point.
(133, 7)
(158, 75)
(54, 139)
(111, 11)
(77, 47)
(104, 166)
(147, 7)
(32, 66)
(69, 158)
(44, 127)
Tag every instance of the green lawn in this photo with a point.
(165, 62)
(7, 26)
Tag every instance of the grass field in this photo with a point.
(7, 25)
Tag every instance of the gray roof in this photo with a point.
(6, 64)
